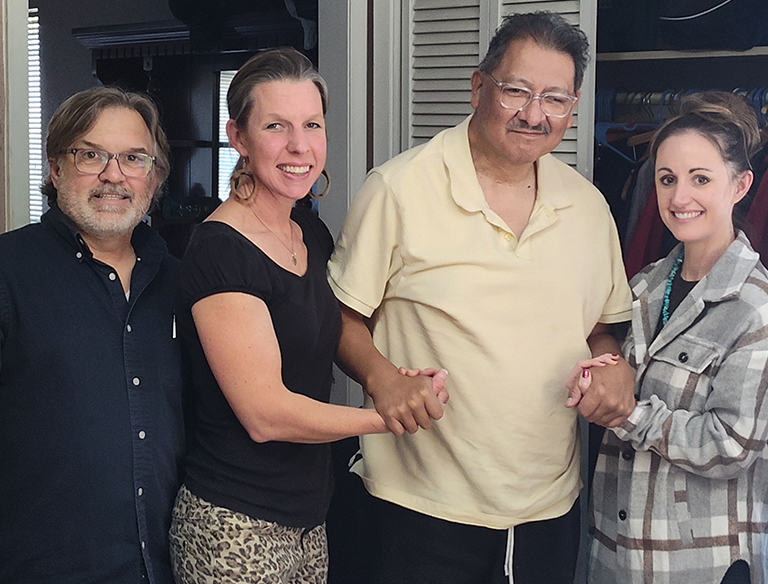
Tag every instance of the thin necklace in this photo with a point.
(668, 290)
(290, 249)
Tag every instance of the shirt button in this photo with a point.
(507, 236)
(128, 328)
(140, 491)
(79, 255)
(112, 276)
(138, 259)
(628, 454)
(622, 515)
(142, 434)
(683, 357)
(143, 545)
(136, 381)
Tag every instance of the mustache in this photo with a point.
(517, 124)
(111, 190)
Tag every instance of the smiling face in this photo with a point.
(284, 138)
(697, 190)
(107, 204)
(515, 138)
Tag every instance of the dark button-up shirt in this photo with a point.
(91, 432)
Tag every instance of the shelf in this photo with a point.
(194, 144)
(668, 55)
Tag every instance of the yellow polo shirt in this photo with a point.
(448, 285)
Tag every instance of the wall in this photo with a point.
(3, 149)
(66, 63)
(14, 126)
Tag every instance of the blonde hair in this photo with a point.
(281, 64)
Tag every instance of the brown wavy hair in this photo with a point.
(79, 113)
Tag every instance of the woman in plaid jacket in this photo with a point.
(680, 493)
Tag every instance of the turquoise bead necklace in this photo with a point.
(668, 289)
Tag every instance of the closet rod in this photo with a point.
(642, 98)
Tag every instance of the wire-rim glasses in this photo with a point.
(554, 105)
(131, 164)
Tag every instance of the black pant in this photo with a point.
(411, 548)
(738, 573)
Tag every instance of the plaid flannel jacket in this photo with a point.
(681, 489)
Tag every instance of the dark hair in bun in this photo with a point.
(725, 119)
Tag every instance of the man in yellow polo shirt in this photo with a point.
(481, 253)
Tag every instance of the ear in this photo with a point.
(55, 172)
(575, 105)
(477, 84)
(236, 138)
(743, 182)
(155, 184)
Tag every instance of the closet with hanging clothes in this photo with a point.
(650, 55)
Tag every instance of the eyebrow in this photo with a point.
(99, 147)
(691, 171)
(527, 84)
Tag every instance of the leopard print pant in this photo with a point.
(213, 545)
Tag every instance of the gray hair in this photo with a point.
(547, 29)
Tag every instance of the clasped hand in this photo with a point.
(412, 399)
(602, 389)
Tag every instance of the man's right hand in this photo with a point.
(411, 399)
(405, 399)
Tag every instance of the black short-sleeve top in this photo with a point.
(282, 482)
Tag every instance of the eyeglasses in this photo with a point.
(554, 105)
(131, 164)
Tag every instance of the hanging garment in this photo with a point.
(757, 219)
(650, 240)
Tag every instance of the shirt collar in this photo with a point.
(145, 240)
(551, 191)
(729, 274)
(726, 278)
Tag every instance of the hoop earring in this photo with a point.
(234, 184)
(326, 189)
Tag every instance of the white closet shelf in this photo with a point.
(665, 55)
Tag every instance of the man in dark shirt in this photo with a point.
(91, 432)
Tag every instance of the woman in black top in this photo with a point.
(260, 325)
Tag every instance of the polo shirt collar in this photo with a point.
(552, 193)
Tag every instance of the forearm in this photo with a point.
(698, 442)
(604, 340)
(406, 403)
(248, 372)
(357, 356)
(297, 418)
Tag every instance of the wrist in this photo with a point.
(378, 377)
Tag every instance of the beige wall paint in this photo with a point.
(14, 115)
(3, 148)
